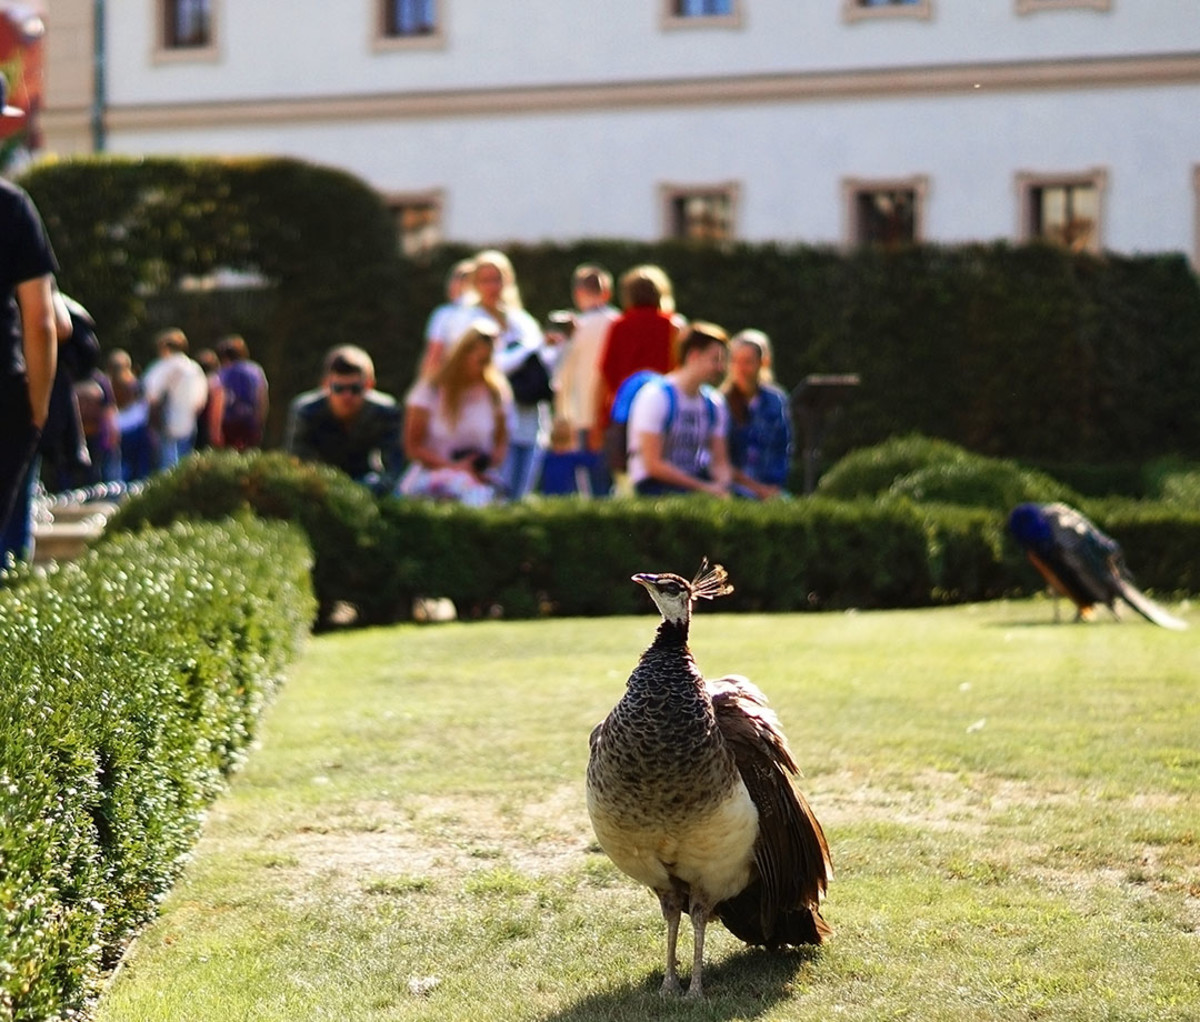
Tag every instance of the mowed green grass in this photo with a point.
(1013, 809)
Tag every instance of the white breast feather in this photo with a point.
(711, 853)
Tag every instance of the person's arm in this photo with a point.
(36, 300)
(416, 433)
(264, 397)
(296, 438)
(500, 440)
(650, 447)
(216, 412)
(719, 465)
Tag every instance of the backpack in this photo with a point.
(616, 434)
(240, 383)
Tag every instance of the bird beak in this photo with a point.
(642, 579)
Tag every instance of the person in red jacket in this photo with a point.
(643, 337)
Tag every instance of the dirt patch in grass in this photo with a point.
(431, 839)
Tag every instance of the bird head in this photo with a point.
(1029, 526)
(674, 595)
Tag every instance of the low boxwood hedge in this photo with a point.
(131, 681)
(340, 518)
(915, 522)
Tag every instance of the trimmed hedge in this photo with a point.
(571, 557)
(898, 541)
(131, 681)
(340, 517)
(936, 471)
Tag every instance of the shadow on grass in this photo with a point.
(745, 985)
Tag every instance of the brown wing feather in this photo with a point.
(791, 854)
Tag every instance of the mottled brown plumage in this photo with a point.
(690, 791)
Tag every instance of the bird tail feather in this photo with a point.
(1150, 610)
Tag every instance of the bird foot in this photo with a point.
(694, 992)
(670, 986)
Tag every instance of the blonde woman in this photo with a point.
(456, 424)
(498, 302)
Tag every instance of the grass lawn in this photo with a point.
(1013, 809)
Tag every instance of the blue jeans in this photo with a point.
(521, 468)
(174, 449)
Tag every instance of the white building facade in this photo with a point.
(818, 121)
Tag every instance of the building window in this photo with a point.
(1034, 6)
(857, 10)
(407, 19)
(418, 220)
(187, 25)
(1063, 209)
(887, 213)
(691, 13)
(700, 214)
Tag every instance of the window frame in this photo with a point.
(1038, 6)
(165, 53)
(668, 19)
(920, 10)
(382, 41)
(671, 192)
(853, 187)
(1029, 182)
(434, 198)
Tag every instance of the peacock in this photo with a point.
(690, 792)
(1080, 562)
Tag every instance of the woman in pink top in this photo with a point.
(455, 424)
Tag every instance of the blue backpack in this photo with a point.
(616, 436)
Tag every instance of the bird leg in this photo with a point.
(699, 914)
(671, 910)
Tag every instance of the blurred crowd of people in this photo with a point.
(113, 424)
(598, 400)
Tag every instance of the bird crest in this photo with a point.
(710, 582)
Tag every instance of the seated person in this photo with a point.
(456, 424)
(760, 423)
(677, 425)
(348, 424)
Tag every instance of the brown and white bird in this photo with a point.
(689, 788)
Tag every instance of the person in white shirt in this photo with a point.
(578, 371)
(176, 389)
(678, 424)
(439, 330)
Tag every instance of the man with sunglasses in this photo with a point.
(349, 424)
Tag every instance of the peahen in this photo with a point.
(689, 788)
(1080, 562)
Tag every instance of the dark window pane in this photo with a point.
(410, 17)
(1065, 214)
(702, 217)
(703, 8)
(418, 226)
(886, 217)
(188, 23)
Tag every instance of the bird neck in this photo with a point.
(671, 634)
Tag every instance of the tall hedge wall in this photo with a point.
(1025, 352)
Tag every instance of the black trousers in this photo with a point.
(18, 442)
